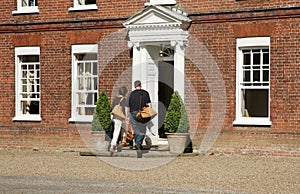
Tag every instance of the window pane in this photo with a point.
(95, 83)
(256, 58)
(256, 76)
(89, 99)
(80, 68)
(246, 59)
(95, 98)
(32, 3)
(81, 97)
(88, 67)
(89, 2)
(80, 83)
(29, 3)
(95, 70)
(256, 102)
(30, 107)
(29, 58)
(266, 75)
(266, 58)
(89, 111)
(246, 76)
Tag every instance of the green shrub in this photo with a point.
(176, 117)
(101, 117)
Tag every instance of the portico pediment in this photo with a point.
(154, 17)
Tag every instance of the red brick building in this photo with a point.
(235, 63)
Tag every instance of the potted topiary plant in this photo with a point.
(101, 123)
(176, 124)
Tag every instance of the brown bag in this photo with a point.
(117, 111)
(145, 114)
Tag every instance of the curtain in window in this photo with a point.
(81, 2)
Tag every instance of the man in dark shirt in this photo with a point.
(137, 99)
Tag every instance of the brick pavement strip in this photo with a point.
(30, 171)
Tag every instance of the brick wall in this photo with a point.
(219, 40)
(215, 26)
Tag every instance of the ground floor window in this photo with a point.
(253, 81)
(85, 80)
(27, 62)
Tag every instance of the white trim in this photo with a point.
(18, 52)
(33, 118)
(26, 10)
(27, 51)
(85, 48)
(77, 49)
(84, 8)
(251, 42)
(253, 121)
(161, 2)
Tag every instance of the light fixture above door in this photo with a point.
(165, 51)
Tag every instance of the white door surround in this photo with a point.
(150, 29)
(155, 26)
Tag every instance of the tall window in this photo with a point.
(27, 61)
(84, 5)
(85, 80)
(26, 6)
(253, 81)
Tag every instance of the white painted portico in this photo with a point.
(158, 26)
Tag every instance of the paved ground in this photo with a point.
(30, 171)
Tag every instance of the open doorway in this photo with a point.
(165, 91)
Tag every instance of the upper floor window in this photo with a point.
(26, 6)
(84, 5)
(27, 75)
(84, 82)
(253, 81)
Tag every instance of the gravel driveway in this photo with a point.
(30, 171)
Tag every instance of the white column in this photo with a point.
(179, 76)
(136, 62)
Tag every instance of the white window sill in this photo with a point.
(161, 2)
(83, 8)
(81, 119)
(27, 10)
(253, 121)
(33, 118)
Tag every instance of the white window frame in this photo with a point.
(252, 42)
(161, 2)
(25, 10)
(78, 49)
(19, 116)
(78, 7)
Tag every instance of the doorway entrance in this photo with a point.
(165, 91)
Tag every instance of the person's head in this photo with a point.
(137, 84)
(123, 91)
